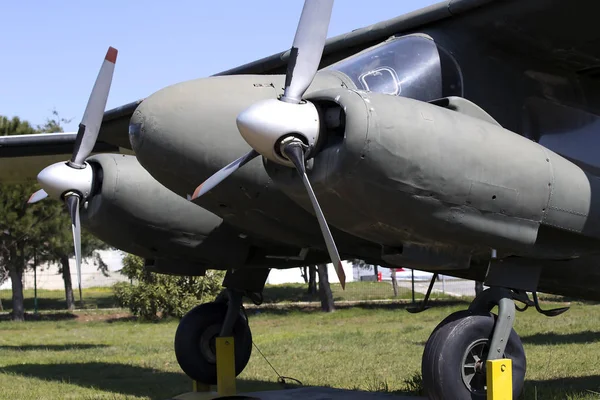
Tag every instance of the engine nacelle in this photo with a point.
(398, 171)
(132, 211)
(184, 133)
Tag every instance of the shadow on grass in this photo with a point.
(46, 303)
(283, 309)
(128, 318)
(562, 388)
(55, 316)
(121, 378)
(562, 338)
(291, 293)
(355, 291)
(53, 347)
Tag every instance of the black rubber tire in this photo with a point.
(442, 362)
(430, 346)
(193, 325)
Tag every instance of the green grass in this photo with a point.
(95, 298)
(355, 291)
(377, 347)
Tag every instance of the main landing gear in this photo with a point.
(454, 359)
(195, 339)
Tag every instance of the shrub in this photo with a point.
(152, 296)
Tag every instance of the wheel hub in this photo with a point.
(473, 366)
(207, 343)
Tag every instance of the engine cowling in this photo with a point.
(396, 170)
(130, 210)
(186, 132)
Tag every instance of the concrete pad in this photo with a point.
(307, 393)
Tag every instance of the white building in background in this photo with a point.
(49, 278)
(294, 275)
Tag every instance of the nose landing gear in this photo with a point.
(453, 363)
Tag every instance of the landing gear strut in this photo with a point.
(455, 355)
(195, 339)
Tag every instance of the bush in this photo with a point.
(152, 296)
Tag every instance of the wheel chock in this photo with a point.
(225, 376)
(499, 379)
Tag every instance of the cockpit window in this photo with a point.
(409, 66)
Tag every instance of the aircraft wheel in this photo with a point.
(195, 342)
(453, 364)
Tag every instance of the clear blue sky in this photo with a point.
(51, 51)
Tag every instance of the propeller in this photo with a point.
(286, 130)
(72, 181)
(223, 173)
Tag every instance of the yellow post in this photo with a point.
(225, 366)
(200, 387)
(499, 379)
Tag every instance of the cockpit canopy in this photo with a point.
(410, 66)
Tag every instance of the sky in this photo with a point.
(50, 52)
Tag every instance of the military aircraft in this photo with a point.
(456, 139)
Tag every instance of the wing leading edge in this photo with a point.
(22, 157)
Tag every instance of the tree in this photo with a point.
(3, 276)
(43, 228)
(312, 279)
(304, 273)
(19, 224)
(54, 124)
(153, 294)
(325, 293)
(58, 248)
(394, 282)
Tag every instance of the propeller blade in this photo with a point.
(94, 111)
(307, 49)
(223, 173)
(295, 153)
(37, 196)
(73, 205)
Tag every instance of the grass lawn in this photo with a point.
(287, 293)
(96, 297)
(101, 354)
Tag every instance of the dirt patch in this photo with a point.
(82, 316)
(108, 317)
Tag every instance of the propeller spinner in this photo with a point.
(72, 181)
(285, 130)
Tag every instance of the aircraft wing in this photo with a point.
(553, 31)
(22, 157)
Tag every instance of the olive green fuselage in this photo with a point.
(433, 185)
